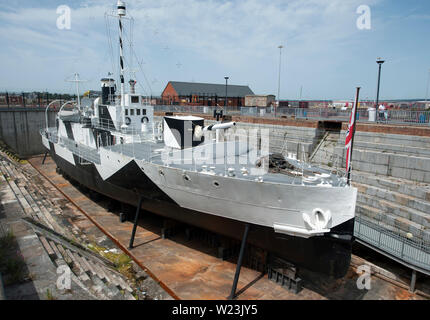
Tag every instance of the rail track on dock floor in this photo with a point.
(189, 270)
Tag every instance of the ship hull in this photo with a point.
(324, 254)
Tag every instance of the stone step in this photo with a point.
(22, 196)
(411, 214)
(82, 265)
(45, 195)
(383, 157)
(378, 217)
(100, 272)
(107, 290)
(63, 254)
(419, 209)
(391, 139)
(57, 252)
(121, 282)
(89, 265)
(30, 191)
(391, 148)
(392, 211)
(113, 278)
(417, 190)
(46, 219)
(42, 195)
(390, 164)
(397, 225)
(81, 273)
(101, 289)
(19, 196)
(47, 247)
(21, 175)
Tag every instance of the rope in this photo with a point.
(108, 34)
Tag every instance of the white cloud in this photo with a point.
(206, 37)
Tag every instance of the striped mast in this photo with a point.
(349, 141)
(121, 13)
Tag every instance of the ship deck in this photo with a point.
(206, 159)
(190, 269)
(199, 159)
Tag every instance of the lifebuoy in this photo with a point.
(145, 119)
(127, 120)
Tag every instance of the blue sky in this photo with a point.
(203, 41)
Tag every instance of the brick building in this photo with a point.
(259, 100)
(204, 94)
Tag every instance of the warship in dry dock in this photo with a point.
(114, 146)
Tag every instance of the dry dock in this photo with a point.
(190, 269)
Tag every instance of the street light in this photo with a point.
(379, 61)
(279, 76)
(226, 102)
(427, 89)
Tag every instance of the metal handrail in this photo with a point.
(414, 252)
(46, 111)
(393, 115)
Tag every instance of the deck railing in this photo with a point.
(394, 116)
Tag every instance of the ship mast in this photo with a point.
(76, 80)
(121, 13)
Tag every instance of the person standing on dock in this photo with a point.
(381, 113)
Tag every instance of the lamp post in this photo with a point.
(427, 89)
(226, 101)
(279, 76)
(379, 61)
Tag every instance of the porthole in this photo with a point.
(161, 172)
(215, 184)
(186, 177)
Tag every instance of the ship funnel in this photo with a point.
(121, 8)
(132, 86)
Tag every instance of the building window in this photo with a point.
(132, 112)
(137, 112)
(134, 99)
(126, 112)
(143, 112)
